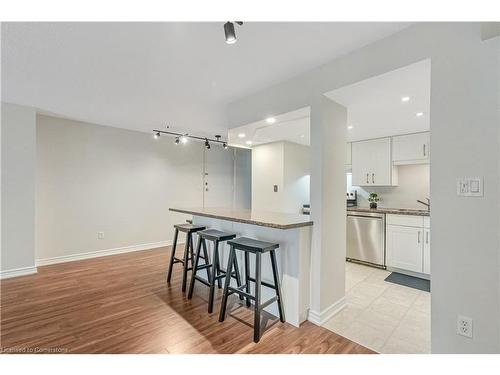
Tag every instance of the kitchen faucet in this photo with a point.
(428, 204)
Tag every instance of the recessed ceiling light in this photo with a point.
(350, 127)
(184, 139)
(302, 136)
(270, 120)
(405, 99)
(248, 142)
(420, 114)
(242, 135)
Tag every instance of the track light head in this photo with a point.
(157, 135)
(176, 140)
(229, 33)
(207, 144)
(224, 145)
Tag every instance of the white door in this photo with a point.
(380, 155)
(361, 163)
(404, 247)
(427, 251)
(411, 149)
(218, 177)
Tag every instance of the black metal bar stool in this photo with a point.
(189, 229)
(217, 237)
(256, 247)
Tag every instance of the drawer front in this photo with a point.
(405, 220)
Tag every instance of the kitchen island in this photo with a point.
(291, 231)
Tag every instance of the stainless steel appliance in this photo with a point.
(366, 238)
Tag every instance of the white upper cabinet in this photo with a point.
(411, 149)
(348, 159)
(372, 163)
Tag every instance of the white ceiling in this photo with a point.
(374, 106)
(374, 109)
(291, 126)
(145, 75)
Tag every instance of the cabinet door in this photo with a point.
(348, 159)
(381, 171)
(411, 148)
(404, 247)
(361, 163)
(427, 252)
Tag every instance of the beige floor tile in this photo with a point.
(423, 303)
(389, 308)
(396, 346)
(366, 335)
(401, 295)
(341, 321)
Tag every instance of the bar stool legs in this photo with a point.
(172, 256)
(248, 246)
(257, 307)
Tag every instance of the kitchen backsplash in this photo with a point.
(413, 184)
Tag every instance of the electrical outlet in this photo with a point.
(464, 326)
(100, 235)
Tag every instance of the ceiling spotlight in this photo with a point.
(242, 135)
(405, 99)
(157, 135)
(270, 120)
(248, 142)
(207, 144)
(224, 145)
(184, 139)
(350, 127)
(230, 33)
(419, 114)
(176, 140)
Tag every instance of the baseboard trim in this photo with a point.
(102, 253)
(320, 318)
(7, 274)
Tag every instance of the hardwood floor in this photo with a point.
(123, 304)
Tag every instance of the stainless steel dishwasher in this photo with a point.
(366, 238)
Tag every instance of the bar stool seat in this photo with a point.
(250, 245)
(217, 274)
(188, 256)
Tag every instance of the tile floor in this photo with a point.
(382, 316)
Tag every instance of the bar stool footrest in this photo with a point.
(265, 283)
(232, 290)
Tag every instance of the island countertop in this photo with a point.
(277, 220)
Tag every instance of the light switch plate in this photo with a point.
(470, 186)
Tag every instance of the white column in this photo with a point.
(328, 208)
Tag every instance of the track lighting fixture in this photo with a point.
(183, 138)
(230, 33)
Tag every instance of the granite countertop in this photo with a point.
(395, 211)
(278, 220)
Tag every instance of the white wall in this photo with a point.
(413, 184)
(287, 165)
(18, 190)
(267, 171)
(93, 178)
(464, 123)
(297, 172)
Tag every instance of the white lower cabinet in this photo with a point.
(407, 244)
(427, 251)
(404, 248)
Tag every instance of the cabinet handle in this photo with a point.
(367, 178)
(418, 237)
(424, 150)
(373, 177)
(427, 237)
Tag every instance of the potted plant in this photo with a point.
(373, 199)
